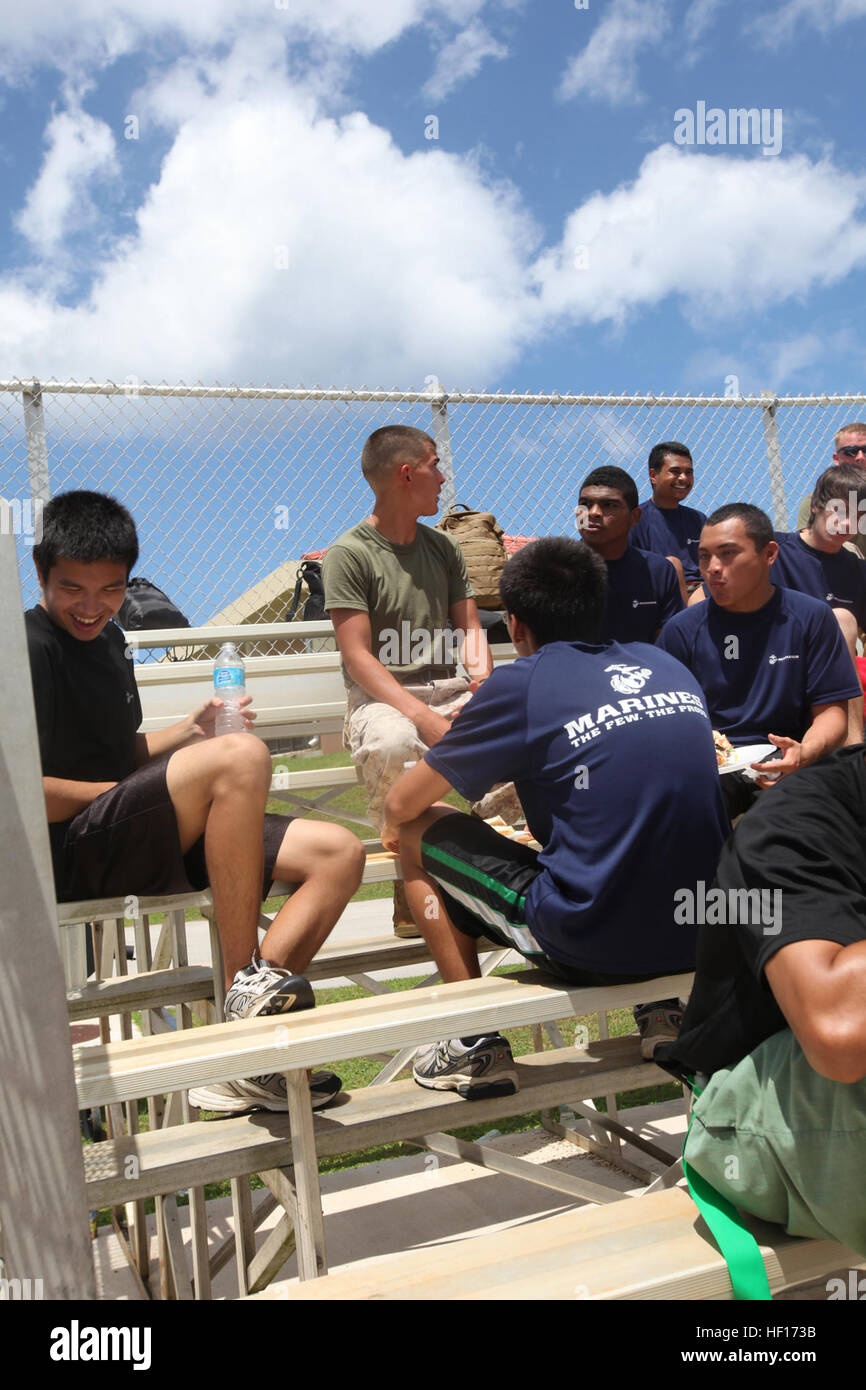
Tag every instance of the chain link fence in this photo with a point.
(230, 486)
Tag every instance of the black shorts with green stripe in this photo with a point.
(484, 879)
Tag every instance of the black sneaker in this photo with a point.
(486, 1068)
(262, 988)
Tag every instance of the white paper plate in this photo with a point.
(751, 753)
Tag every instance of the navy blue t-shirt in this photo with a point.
(670, 531)
(761, 672)
(611, 752)
(642, 593)
(839, 579)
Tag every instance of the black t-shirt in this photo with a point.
(802, 847)
(87, 706)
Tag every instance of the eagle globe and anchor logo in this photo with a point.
(628, 680)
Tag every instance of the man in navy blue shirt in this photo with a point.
(595, 737)
(849, 447)
(666, 526)
(642, 588)
(771, 662)
(816, 561)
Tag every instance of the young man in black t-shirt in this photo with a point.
(140, 814)
(775, 1030)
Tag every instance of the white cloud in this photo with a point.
(80, 147)
(699, 16)
(87, 33)
(789, 357)
(461, 59)
(396, 266)
(607, 67)
(723, 234)
(825, 15)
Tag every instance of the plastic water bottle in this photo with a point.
(229, 686)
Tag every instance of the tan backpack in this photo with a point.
(480, 538)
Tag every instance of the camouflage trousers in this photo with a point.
(383, 742)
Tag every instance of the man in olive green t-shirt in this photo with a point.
(850, 447)
(392, 586)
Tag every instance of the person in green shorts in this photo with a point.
(774, 1035)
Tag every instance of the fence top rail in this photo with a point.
(142, 638)
(34, 387)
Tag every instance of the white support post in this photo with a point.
(44, 1230)
(37, 449)
(774, 462)
(442, 437)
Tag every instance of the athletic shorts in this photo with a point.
(126, 842)
(784, 1143)
(485, 878)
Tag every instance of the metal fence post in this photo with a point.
(37, 449)
(442, 436)
(774, 461)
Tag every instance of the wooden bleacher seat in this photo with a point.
(168, 1160)
(169, 1063)
(654, 1247)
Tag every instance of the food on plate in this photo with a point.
(724, 749)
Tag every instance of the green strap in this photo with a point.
(739, 1248)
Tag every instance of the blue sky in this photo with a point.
(245, 191)
(298, 129)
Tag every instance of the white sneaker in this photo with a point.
(262, 1093)
(262, 988)
(484, 1068)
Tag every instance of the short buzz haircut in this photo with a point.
(838, 481)
(757, 525)
(86, 527)
(617, 478)
(390, 445)
(558, 587)
(856, 428)
(669, 446)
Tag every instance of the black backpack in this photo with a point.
(147, 607)
(310, 573)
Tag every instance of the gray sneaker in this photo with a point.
(262, 1093)
(486, 1068)
(657, 1023)
(262, 988)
